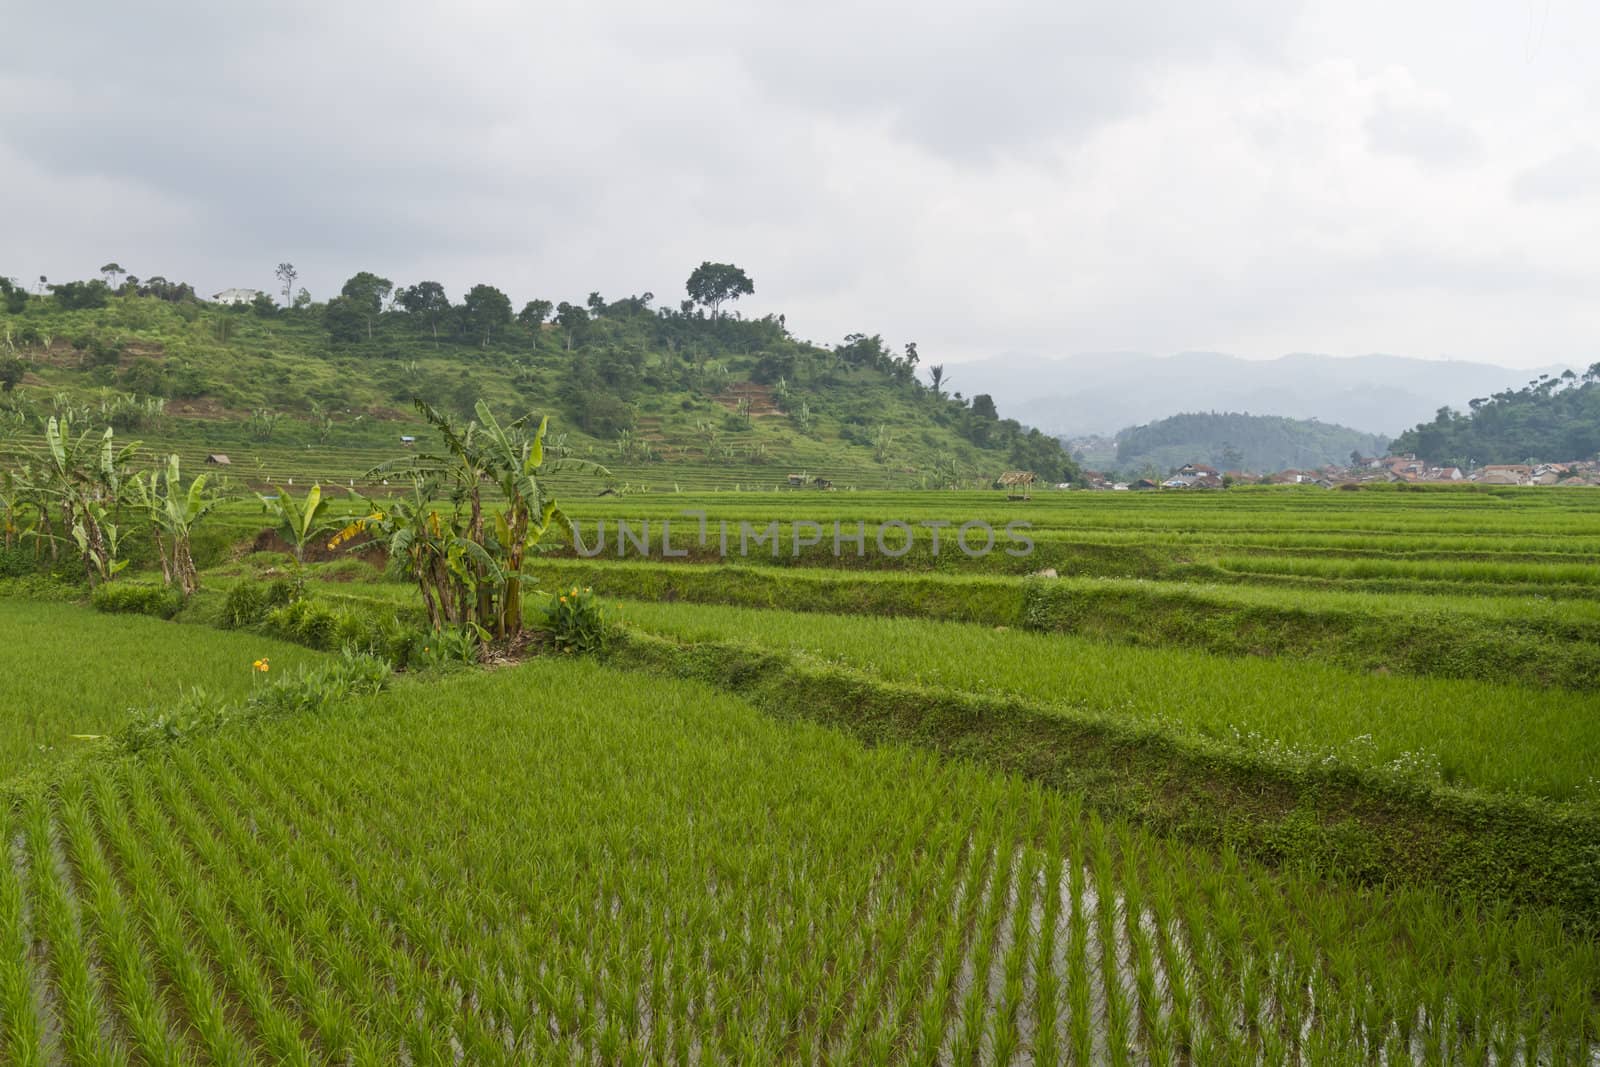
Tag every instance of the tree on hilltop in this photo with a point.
(428, 302)
(366, 293)
(713, 283)
(485, 309)
(534, 312)
(286, 278)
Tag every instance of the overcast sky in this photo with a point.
(1042, 176)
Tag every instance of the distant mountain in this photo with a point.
(1259, 443)
(1103, 392)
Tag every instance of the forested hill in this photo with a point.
(1236, 442)
(689, 395)
(1551, 419)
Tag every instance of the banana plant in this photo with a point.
(86, 480)
(475, 560)
(173, 513)
(298, 521)
(516, 462)
(99, 542)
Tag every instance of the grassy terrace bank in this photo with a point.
(1546, 643)
(1494, 738)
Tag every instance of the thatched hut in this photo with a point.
(1018, 484)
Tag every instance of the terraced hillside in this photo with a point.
(664, 398)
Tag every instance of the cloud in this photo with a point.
(1569, 175)
(1041, 175)
(1427, 134)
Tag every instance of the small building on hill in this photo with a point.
(219, 459)
(236, 296)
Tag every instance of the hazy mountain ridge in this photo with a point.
(1105, 392)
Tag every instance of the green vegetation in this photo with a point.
(1271, 775)
(69, 671)
(1497, 738)
(665, 396)
(1549, 419)
(1230, 442)
(464, 873)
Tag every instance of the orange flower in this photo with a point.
(261, 665)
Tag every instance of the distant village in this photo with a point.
(1403, 468)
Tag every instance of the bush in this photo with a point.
(199, 712)
(17, 561)
(351, 630)
(575, 621)
(304, 622)
(125, 598)
(249, 603)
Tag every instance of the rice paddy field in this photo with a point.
(1245, 777)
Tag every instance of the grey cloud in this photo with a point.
(1570, 175)
(1424, 134)
(970, 82)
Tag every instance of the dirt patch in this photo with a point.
(203, 407)
(363, 547)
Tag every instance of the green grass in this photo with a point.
(1466, 734)
(551, 863)
(68, 670)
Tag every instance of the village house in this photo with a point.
(236, 296)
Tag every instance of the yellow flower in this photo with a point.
(261, 665)
(563, 599)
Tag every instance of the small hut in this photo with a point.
(1018, 484)
(218, 459)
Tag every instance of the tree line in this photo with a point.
(1553, 418)
(608, 341)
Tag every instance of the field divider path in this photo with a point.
(1364, 828)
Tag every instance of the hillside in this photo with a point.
(1100, 393)
(1231, 441)
(687, 397)
(1551, 419)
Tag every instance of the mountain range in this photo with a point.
(1102, 393)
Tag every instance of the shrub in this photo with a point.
(446, 650)
(126, 598)
(304, 622)
(17, 561)
(576, 621)
(199, 712)
(249, 603)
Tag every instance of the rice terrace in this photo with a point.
(402, 771)
(400, 674)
